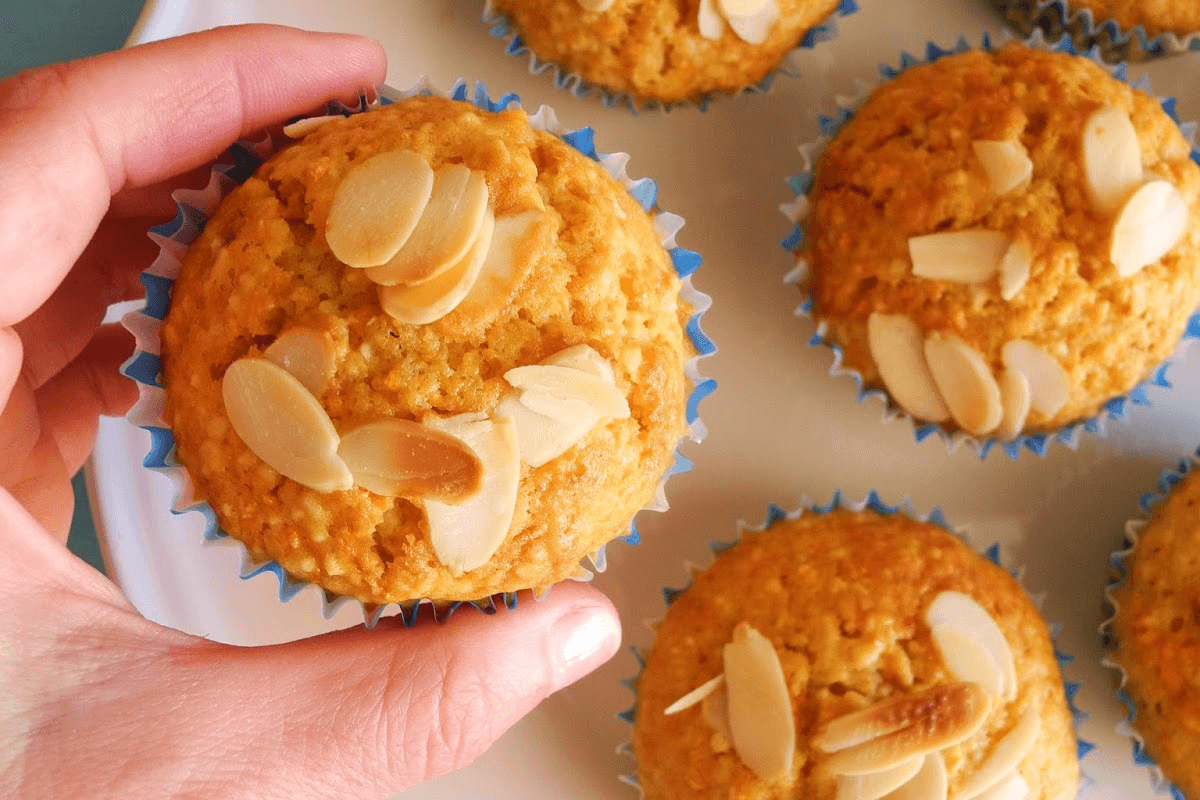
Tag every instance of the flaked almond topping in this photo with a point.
(1015, 268)
(567, 383)
(583, 357)
(1006, 163)
(965, 382)
(960, 256)
(710, 22)
(450, 224)
(377, 206)
(1112, 159)
(878, 784)
(742, 8)
(517, 241)
(1015, 397)
(961, 612)
(899, 354)
(930, 783)
(760, 707)
(1013, 787)
(1148, 227)
(752, 27)
(303, 127)
(939, 717)
(307, 355)
(1049, 384)
(402, 458)
(283, 424)
(694, 696)
(465, 535)
(1005, 758)
(428, 302)
(966, 659)
(715, 710)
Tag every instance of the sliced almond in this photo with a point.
(572, 384)
(450, 224)
(760, 707)
(516, 242)
(1006, 163)
(544, 437)
(899, 354)
(939, 717)
(1049, 384)
(465, 535)
(307, 355)
(1112, 159)
(694, 696)
(428, 302)
(960, 256)
(583, 357)
(756, 27)
(710, 22)
(962, 613)
(1015, 397)
(742, 8)
(1013, 787)
(303, 127)
(1005, 757)
(715, 710)
(402, 458)
(283, 424)
(930, 783)
(965, 383)
(1015, 268)
(1148, 227)
(967, 660)
(877, 784)
(377, 206)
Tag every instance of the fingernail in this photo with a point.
(585, 639)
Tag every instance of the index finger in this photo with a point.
(73, 134)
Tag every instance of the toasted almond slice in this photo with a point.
(1006, 163)
(760, 707)
(1015, 397)
(930, 783)
(307, 355)
(1015, 268)
(1049, 384)
(715, 710)
(516, 242)
(283, 424)
(596, 5)
(428, 302)
(960, 256)
(1005, 757)
(899, 354)
(939, 717)
(377, 206)
(545, 437)
(694, 696)
(558, 407)
(449, 226)
(402, 458)
(877, 784)
(1013, 787)
(961, 612)
(583, 357)
(965, 382)
(1112, 159)
(1148, 227)
(303, 127)
(742, 8)
(465, 535)
(967, 659)
(710, 22)
(756, 27)
(570, 383)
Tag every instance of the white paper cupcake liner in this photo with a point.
(195, 207)
(797, 210)
(839, 502)
(1119, 567)
(500, 27)
(1055, 18)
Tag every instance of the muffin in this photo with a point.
(880, 652)
(1155, 633)
(670, 52)
(1003, 241)
(1121, 29)
(435, 421)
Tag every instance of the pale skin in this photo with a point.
(96, 701)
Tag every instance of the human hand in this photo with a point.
(96, 701)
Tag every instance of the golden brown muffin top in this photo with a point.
(1156, 16)
(842, 598)
(262, 266)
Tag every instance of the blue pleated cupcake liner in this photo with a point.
(194, 209)
(840, 502)
(501, 27)
(1119, 575)
(1055, 18)
(797, 210)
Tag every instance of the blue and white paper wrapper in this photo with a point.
(839, 502)
(1056, 17)
(195, 207)
(502, 28)
(797, 210)
(1119, 566)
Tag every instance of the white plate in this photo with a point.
(780, 427)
